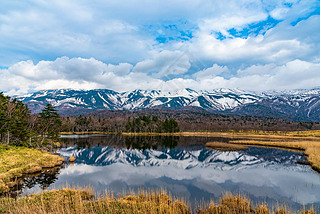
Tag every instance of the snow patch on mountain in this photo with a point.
(294, 104)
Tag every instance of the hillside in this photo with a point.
(297, 105)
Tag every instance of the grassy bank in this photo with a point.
(17, 161)
(310, 148)
(225, 146)
(257, 135)
(85, 133)
(80, 201)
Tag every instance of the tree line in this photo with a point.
(151, 124)
(119, 124)
(20, 128)
(187, 120)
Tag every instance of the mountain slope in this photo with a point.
(298, 105)
(102, 99)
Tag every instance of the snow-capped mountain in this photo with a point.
(218, 100)
(299, 105)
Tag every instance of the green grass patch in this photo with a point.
(17, 161)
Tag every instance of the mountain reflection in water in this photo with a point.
(186, 168)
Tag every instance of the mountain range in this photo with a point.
(297, 105)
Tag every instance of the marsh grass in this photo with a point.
(18, 161)
(82, 201)
(311, 148)
(225, 146)
(255, 135)
(86, 133)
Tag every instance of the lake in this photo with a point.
(184, 167)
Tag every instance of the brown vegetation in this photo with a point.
(225, 146)
(81, 201)
(72, 159)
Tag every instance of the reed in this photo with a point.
(255, 135)
(80, 201)
(225, 146)
(83, 202)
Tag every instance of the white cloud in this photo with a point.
(165, 63)
(279, 13)
(79, 73)
(113, 44)
(210, 72)
(279, 45)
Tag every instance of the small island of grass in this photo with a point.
(18, 161)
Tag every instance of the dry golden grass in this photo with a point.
(17, 161)
(225, 146)
(86, 133)
(79, 201)
(310, 148)
(237, 204)
(255, 135)
(82, 202)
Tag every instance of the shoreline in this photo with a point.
(15, 162)
(304, 135)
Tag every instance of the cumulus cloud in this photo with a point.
(80, 73)
(165, 63)
(210, 72)
(280, 44)
(200, 44)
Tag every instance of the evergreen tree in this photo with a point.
(14, 117)
(148, 124)
(170, 126)
(50, 122)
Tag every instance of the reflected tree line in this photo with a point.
(43, 179)
(129, 142)
(151, 142)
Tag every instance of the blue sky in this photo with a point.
(130, 44)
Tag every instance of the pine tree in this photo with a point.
(170, 126)
(50, 122)
(14, 117)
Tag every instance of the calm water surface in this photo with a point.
(184, 167)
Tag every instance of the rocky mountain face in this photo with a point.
(299, 105)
